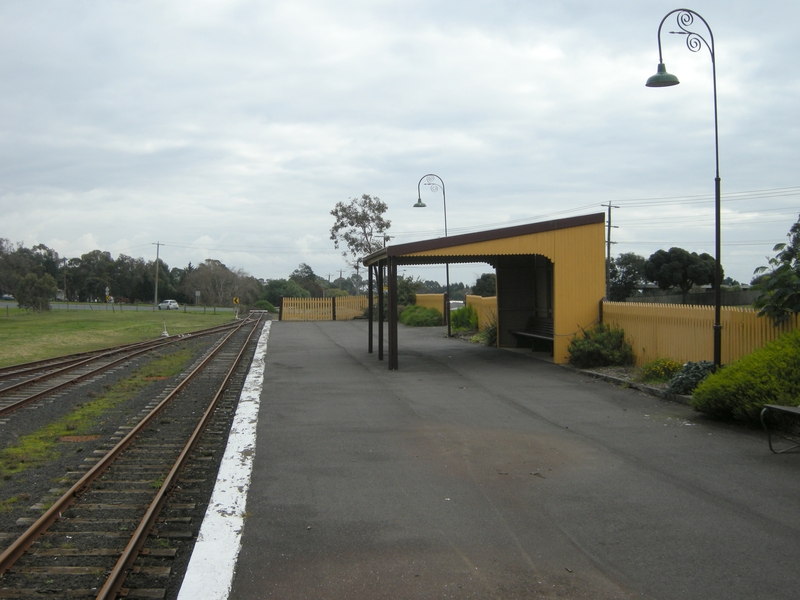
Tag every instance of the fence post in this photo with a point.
(446, 312)
(280, 308)
(600, 319)
(370, 307)
(333, 308)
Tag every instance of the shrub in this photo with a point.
(464, 318)
(264, 305)
(478, 338)
(35, 292)
(770, 375)
(601, 346)
(489, 332)
(659, 370)
(419, 316)
(689, 377)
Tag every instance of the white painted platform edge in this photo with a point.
(211, 567)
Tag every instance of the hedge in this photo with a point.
(770, 375)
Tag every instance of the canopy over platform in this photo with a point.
(551, 272)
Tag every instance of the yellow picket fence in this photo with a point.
(685, 332)
(350, 307)
(345, 308)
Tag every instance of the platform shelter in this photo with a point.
(550, 278)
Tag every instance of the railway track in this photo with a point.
(115, 525)
(22, 384)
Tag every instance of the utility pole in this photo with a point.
(608, 247)
(66, 298)
(155, 297)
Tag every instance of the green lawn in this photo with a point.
(26, 336)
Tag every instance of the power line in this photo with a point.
(676, 221)
(771, 243)
(699, 199)
(727, 197)
(668, 223)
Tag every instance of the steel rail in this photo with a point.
(78, 364)
(56, 361)
(68, 359)
(40, 365)
(22, 543)
(51, 390)
(125, 562)
(149, 346)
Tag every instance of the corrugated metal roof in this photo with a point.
(437, 248)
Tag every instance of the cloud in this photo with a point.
(229, 130)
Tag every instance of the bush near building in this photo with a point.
(770, 375)
(419, 316)
(600, 346)
(464, 318)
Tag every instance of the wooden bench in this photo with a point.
(537, 328)
(781, 410)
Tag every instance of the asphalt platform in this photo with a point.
(474, 472)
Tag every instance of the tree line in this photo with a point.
(34, 276)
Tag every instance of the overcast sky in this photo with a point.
(229, 130)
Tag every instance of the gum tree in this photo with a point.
(359, 226)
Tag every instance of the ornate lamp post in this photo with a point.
(695, 41)
(431, 181)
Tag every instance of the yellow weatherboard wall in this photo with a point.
(431, 301)
(578, 258)
(579, 283)
(485, 307)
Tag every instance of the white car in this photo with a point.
(168, 305)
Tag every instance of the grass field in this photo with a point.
(26, 336)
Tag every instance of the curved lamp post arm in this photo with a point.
(430, 180)
(684, 20)
(694, 42)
